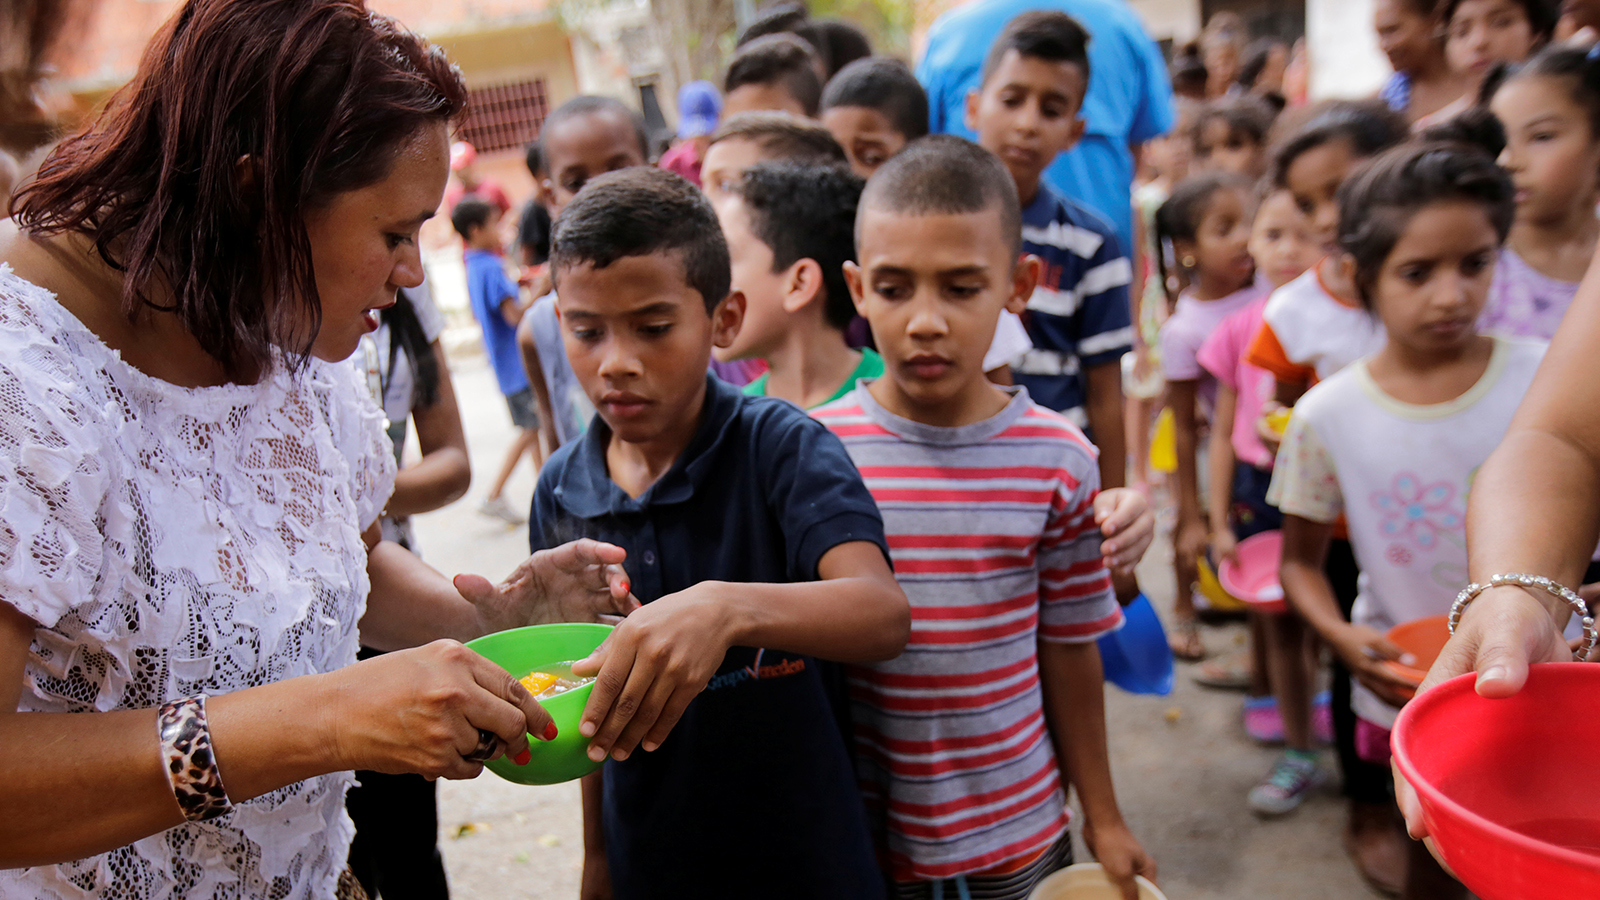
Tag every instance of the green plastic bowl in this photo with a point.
(523, 650)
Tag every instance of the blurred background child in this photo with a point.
(1481, 34)
(1550, 109)
(1411, 33)
(1392, 442)
(1207, 220)
(874, 107)
(1230, 135)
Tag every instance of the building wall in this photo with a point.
(1343, 49)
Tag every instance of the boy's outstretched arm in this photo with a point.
(1074, 704)
(663, 654)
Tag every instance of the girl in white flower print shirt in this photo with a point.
(1394, 440)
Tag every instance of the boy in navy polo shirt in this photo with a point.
(1026, 111)
(755, 549)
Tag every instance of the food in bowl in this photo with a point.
(556, 678)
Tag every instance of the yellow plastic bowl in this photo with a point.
(1164, 444)
(1088, 881)
(1210, 587)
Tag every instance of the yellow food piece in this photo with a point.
(536, 682)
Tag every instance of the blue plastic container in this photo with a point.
(1137, 657)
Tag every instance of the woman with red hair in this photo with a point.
(190, 480)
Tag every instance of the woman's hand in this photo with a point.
(1128, 526)
(650, 667)
(1364, 652)
(420, 711)
(1501, 633)
(581, 581)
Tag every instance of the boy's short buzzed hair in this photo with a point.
(782, 136)
(469, 213)
(781, 59)
(886, 85)
(807, 212)
(589, 105)
(944, 174)
(641, 211)
(1042, 34)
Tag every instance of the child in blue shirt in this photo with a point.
(755, 549)
(1026, 111)
(498, 307)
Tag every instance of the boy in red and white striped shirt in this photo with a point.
(995, 522)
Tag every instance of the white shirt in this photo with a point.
(1317, 330)
(174, 542)
(1399, 473)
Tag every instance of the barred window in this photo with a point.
(504, 116)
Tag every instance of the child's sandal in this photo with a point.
(1185, 641)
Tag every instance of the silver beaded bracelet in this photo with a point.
(1472, 591)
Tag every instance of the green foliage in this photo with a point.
(887, 22)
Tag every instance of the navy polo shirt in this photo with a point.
(752, 795)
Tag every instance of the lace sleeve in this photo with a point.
(358, 427)
(54, 487)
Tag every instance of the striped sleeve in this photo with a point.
(1076, 601)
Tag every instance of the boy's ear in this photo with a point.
(1078, 127)
(853, 280)
(1024, 278)
(801, 285)
(726, 319)
(973, 97)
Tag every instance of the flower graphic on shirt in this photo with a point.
(1423, 512)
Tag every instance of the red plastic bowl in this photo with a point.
(1507, 785)
(1422, 638)
(1254, 577)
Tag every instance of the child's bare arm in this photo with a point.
(1191, 535)
(1074, 703)
(1221, 466)
(1306, 585)
(1103, 406)
(663, 655)
(529, 349)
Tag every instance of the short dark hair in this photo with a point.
(644, 211)
(883, 84)
(782, 136)
(807, 212)
(1246, 116)
(533, 158)
(774, 18)
(1379, 200)
(944, 174)
(1476, 126)
(780, 59)
(470, 212)
(1542, 15)
(590, 105)
(317, 95)
(1041, 34)
(1579, 70)
(1256, 57)
(843, 44)
(1369, 126)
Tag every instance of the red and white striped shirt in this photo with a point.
(991, 528)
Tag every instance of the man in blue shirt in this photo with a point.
(498, 307)
(753, 545)
(1129, 100)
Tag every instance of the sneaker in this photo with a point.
(1291, 781)
(498, 508)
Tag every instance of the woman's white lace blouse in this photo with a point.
(173, 542)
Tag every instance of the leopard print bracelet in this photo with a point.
(191, 766)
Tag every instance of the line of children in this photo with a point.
(1392, 441)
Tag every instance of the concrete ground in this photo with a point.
(1182, 763)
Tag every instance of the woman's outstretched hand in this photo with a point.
(421, 710)
(581, 581)
(1501, 633)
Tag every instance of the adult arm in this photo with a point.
(541, 389)
(443, 474)
(1072, 679)
(663, 654)
(92, 782)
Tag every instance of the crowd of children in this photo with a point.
(904, 687)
